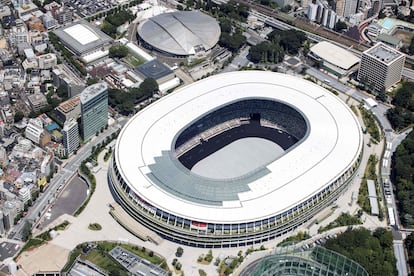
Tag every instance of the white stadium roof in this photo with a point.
(332, 146)
(180, 33)
(335, 55)
(81, 37)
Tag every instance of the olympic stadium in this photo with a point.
(179, 34)
(235, 159)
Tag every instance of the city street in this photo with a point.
(70, 167)
(379, 111)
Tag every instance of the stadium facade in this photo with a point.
(180, 34)
(151, 178)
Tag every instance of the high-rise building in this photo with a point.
(94, 109)
(70, 136)
(350, 7)
(381, 65)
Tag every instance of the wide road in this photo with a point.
(379, 111)
(399, 253)
(69, 168)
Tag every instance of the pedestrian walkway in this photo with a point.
(124, 219)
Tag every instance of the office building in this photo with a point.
(381, 65)
(94, 109)
(70, 136)
(62, 75)
(69, 109)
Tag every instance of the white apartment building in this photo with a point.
(381, 65)
(34, 130)
(47, 61)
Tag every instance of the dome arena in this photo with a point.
(178, 170)
(180, 33)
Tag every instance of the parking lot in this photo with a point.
(8, 249)
(68, 201)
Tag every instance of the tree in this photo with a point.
(18, 116)
(26, 231)
(382, 95)
(340, 25)
(62, 92)
(118, 51)
(148, 86)
(179, 252)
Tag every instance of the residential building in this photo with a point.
(48, 21)
(26, 8)
(25, 194)
(37, 101)
(48, 163)
(94, 109)
(64, 16)
(350, 8)
(70, 136)
(47, 61)
(35, 132)
(382, 66)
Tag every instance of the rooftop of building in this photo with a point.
(154, 69)
(37, 98)
(335, 55)
(82, 37)
(92, 90)
(69, 105)
(383, 53)
(63, 71)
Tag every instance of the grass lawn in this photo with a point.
(105, 262)
(145, 255)
(133, 60)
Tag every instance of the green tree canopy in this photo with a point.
(374, 251)
(118, 51)
(18, 116)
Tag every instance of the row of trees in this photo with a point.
(67, 55)
(373, 251)
(409, 244)
(403, 167)
(402, 115)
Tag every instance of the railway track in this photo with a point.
(307, 26)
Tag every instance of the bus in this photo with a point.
(391, 216)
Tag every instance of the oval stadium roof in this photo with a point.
(142, 153)
(180, 33)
